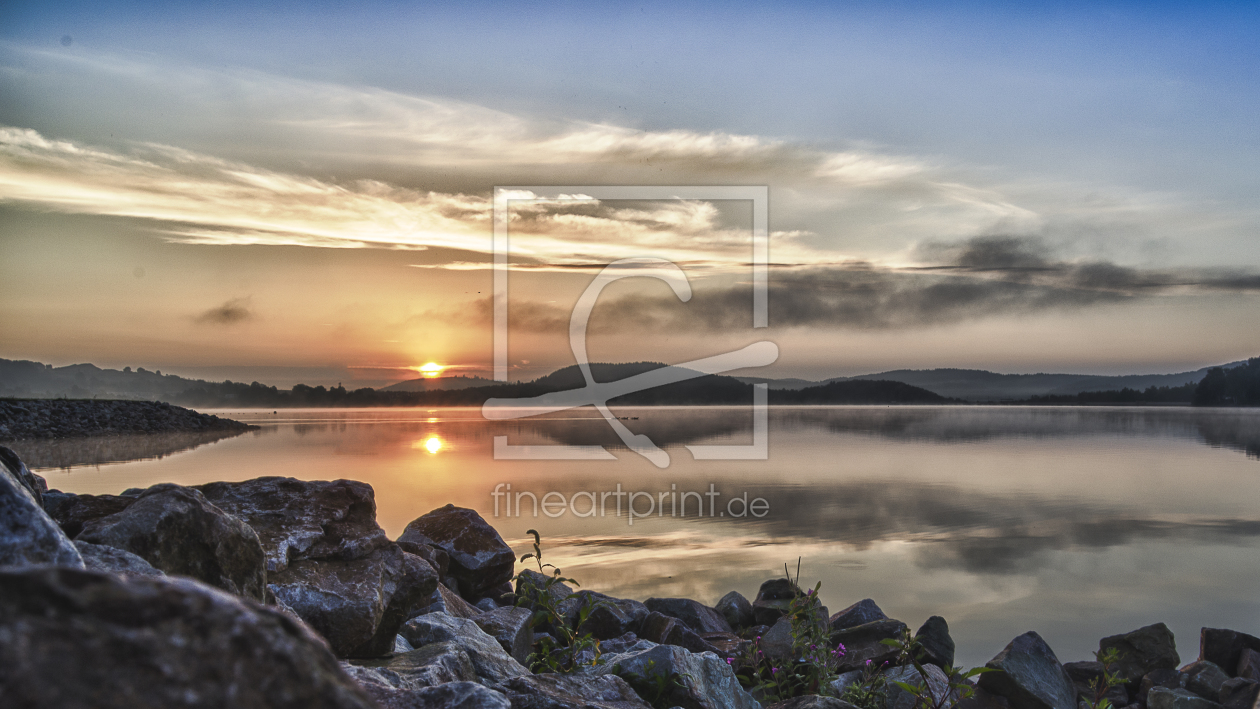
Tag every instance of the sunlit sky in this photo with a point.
(302, 192)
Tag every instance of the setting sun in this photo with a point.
(431, 369)
(433, 445)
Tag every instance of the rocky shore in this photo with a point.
(69, 418)
(277, 592)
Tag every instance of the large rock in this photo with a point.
(773, 599)
(736, 609)
(1030, 676)
(177, 530)
(86, 640)
(28, 536)
(697, 616)
(33, 483)
(1148, 648)
(1224, 647)
(776, 643)
(72, 511)
(479, 558)
(1170, 679)
(983, 699)
(304, 519)
(1087, 675)
(452, 695)
(937, 646)
(555, 691)
(491, 661)
(512, 628)
(1240, 693)
(530, 584)
(358, 604)
(444, 600)
(664, 630)
(708, 682)
(608, 617)
(1205, 679)
(98, 557)
(865, 642)
(427, 666)
(860, 613)
(937, 684)
(1164, 698)
(1248, 665)
(812, 701)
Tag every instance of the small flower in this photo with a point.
(774, 670)
(729, 661)
(868, 663)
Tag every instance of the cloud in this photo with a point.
(234, 311)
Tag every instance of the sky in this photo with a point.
(290, 192)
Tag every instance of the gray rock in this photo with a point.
(444, 600)
(1224, 647)
(304, 519)
(664, 630)
(777, 642)
(1248, 665)
(812, 701)
(98, 557)
(865, 642)
(773, 599)
(1240, 693)
(28, 536)
(608, 618)
(1164, 698)
(983, 699)
(401, 645)
(479, 558)
(937, 685)
(1030, 676)
(1170, 679)
(79, 640)
(33, 483)
(491, 661)
(860, 613)
(72, 511)
(697, 616)
(937, 645)
(1205, 679)
(736, 609)
(556, 691)
(530, 583)
(708, 682)
(512, 628)
(437, 558)
(452, 695)
(1086, 674)
(844, 681)
(177, 530)
(1148, 648)
(426, 666)
(485, 605)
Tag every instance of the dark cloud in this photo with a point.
(233, 311)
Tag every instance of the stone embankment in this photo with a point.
(278, 592)
(70, 418)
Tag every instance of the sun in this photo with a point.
(433, 445)
(431, 369)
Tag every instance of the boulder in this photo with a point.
(358, 604)
(444, 600)
(452, 695)
(1164, 698)
(1224, 647)
(427, 666)
(697, 616)
(1248, 665)
(486, 605)
(1029, 676)
(664, 630)
(776, 644)
(479, 558)
(556, 691)
(72, 511)
(490, 660)
(1170, 679)
(608, 617)
(708, 682)
(937, 685)
(936, 643)
(860, 613)
(437, 558)
(1085, 674)
(1148, 648)
(1240, 693)
(811, 701)
(530, 583)
(512, 628)
(726, 644)
(983, 699)
(33, 483)
(98, 557)
(28, 536)
(844, 681)
(1205, 679)
(736, 609)
(304, 519)
(80, 639)
(773, 599)
(865, 642)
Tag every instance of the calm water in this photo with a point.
(1075, 522)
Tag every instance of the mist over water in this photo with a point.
(1075, 522)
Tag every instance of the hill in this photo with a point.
(436, 383)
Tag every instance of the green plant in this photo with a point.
(1100, 686)
(563, 649)
(958, 687)
(870, 690)
(658, 689)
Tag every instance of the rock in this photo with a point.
(98, 557)
(491, 661)
(937, 685)
(664, 630)
(1248, 664)
(33, 483)
(177, 530)
(401, 645)
(860, 613)
(1240, 693)
(452, 695)
(1164, 698)
(1205, 679)
(1224, 647)
(983, 699)
(773, 599)
(479, 558)
(427, 666)
(708, 682)
(865, 642)
(530, 583)
(777, 643)
(360, 604)
(844, 681)
(486, 605)
(73, 511)
(444, 600)
(28, 536)
(726, 644)
(79, 639)
(1083, 674)
(697, 616)
(812, 701)
(512, 628)
(66, 418)
(1148, 648)
(938, 646)
(608, 617)
(736, 609)
(1170, 679)
(556, 691)
(437, 558)
(304, 519)
(1030, 676)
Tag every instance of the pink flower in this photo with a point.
(868, 663)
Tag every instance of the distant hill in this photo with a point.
(435, 383)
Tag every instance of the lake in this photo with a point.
(1076, 522)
